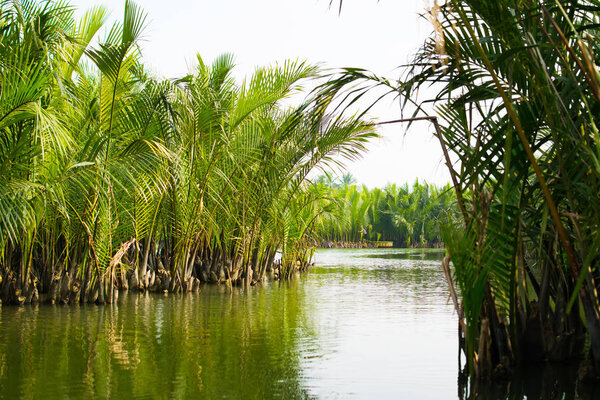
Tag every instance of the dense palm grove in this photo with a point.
(110, 178)
(406, 216)
(516, 100)
(519, 107)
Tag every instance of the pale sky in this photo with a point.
(378, 36)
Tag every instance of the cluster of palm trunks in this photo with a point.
(67, 287)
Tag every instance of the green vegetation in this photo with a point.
(110, 178)
(517, 103)
(406, 216)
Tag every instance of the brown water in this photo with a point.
(365, 324)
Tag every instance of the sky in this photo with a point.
(376, 35)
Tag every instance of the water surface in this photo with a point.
(364, 324)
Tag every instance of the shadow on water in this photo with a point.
(547, 382)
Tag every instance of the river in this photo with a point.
(363, 324)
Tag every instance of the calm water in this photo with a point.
(366, 324)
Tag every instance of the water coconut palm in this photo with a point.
(113, 179)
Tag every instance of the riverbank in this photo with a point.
(341, 244)
(69, 287)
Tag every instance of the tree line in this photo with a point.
(408, 216)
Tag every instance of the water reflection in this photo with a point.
(216, 344)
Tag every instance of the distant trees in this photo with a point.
(408, 216)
